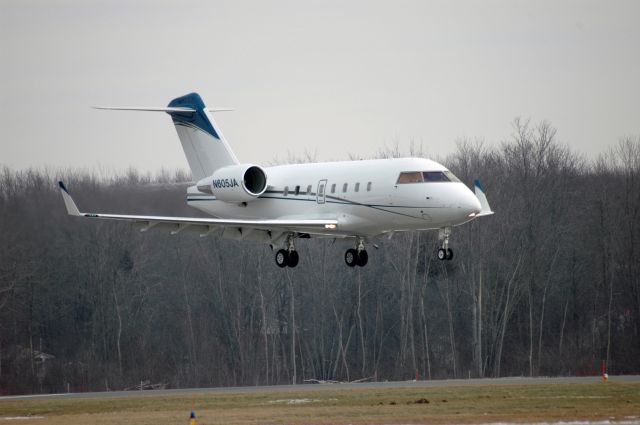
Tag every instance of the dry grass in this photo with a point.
(464, 404)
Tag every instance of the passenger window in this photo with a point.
(410, 177)
(333, 188)
(285, 192)
(309, 190)
(357, 188)
(369, 187)
(297, 190)
(344, 187)
(435, 176)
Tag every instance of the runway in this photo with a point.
(298, 388)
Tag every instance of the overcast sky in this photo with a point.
(330, 77)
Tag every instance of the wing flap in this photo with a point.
(222, 222)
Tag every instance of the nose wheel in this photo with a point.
(288, 257)
(358, 256)
(445, 253)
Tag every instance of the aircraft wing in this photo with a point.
(260, 230)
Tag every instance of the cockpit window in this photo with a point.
(451, 177)
(435, 176)
(410, 177)
(426, 177)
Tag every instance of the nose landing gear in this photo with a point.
(445, 253)
(358, 256)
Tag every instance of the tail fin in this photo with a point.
(204, 145)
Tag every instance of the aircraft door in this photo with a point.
(320, 194)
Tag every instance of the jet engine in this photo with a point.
(235, 183)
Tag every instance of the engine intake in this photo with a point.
(235, 183)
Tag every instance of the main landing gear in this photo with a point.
(358, 256)
(288, 257)
(445, 253)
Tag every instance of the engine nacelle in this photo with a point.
(235, 183)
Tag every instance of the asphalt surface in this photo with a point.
(320, 387)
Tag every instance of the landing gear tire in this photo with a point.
(282, 257)
(445, 254)
(351, 257)
(286, 258)
(363, 258)
(293, 259)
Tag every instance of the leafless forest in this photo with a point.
(549, 285)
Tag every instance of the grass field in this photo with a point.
(408, 405)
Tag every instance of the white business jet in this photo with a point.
(280, 204)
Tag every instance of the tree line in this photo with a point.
(549, 285)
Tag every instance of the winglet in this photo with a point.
(72, 209)
(484, 204)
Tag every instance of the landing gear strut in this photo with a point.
(288, 257)
(358, 256)
(445, 253)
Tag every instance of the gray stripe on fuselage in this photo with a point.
(339, 201)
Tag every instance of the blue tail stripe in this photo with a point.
(198, 119)
(477, 183)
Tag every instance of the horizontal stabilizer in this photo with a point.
(147, 109)
(219, 109)
(484, 204)
(160, 109)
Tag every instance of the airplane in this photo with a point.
(281, 204)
